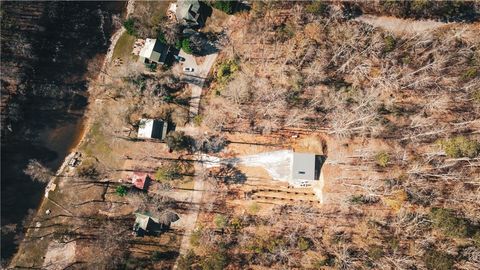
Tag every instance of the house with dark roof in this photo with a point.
(146, 224)
(155, 51)
(152, 129)
(187, 12)
(305, 168)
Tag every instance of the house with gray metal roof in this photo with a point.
(305, 168)
(146, 224)
(188, 12)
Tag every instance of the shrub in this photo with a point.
(363, 199)
(186, 46)
(396, 199)
(186, 262)
(303, 244)
(197, 120)
(151, 66)
(195, 237)
(220, 221)
(393, 243)
(226, 69)
(156, 256)
(437, 260)
(254, 208)
(121, 191)
(448, 223)
(390, 43)
(225, 6)
(217, 261)
(130, 27)
(470, 73)
(161, 37)
(286, 31)
(382, 159)
(328, 260)
(375, 252)
(476, 238)
(178, 44)
(420, 5)
(316, 7)
(476, 96)
(211, 144)
(236, 224)
(458, 147)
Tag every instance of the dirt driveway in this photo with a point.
(400, 26)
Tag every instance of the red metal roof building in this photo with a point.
(140, 180)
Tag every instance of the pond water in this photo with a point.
(52, 123)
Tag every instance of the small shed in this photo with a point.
(188, 12)
(155, 51)
(152, 129)
(140, 180)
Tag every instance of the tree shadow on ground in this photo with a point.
(228, 174)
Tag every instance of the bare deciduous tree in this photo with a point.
(38, 172)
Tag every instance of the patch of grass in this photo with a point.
(186, 184)
(96, 143)
(124, 46)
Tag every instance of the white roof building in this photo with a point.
(305, 168)
(154, 51)
(152, 129)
